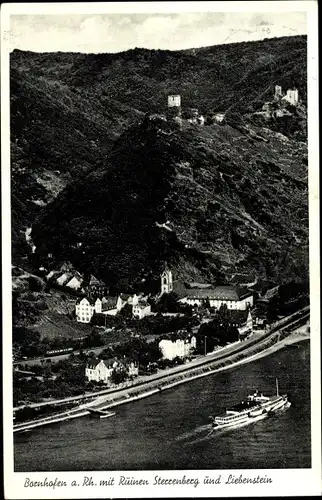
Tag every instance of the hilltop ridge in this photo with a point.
(210, 200)
(235, 194)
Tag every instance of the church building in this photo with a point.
(166, 281)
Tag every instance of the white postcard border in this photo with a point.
(285, 482)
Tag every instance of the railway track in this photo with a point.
(166, 381)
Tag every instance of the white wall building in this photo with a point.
(63, 279)
(100, 370)
(75, 283)
(177, 348)
(292, 96)
(141, 309)
(232, 297)
(85, 309)
(113, 305)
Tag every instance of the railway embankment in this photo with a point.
(276, 338)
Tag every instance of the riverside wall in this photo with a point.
(167, 382)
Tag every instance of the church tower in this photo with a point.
(166, 281)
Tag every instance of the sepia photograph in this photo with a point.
(159, 245)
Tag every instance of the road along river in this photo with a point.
(177, 376)
(171, 430)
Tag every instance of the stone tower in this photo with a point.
(174, 101)
(278, 91)
(292, 96)
(174, 106)
(166, 281)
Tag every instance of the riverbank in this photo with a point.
(261, 348)
(293, 338)
(176, 427)
(298, 335)
(264, 347)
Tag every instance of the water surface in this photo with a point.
(171, 430)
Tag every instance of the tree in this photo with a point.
(108, 352)
(273, 308)
(35, 285)
(119, 375)
(98, 319)
(93, 340)
(168, 302)
(126, 312)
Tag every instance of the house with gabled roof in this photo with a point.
(64, 278)
(96, 286)
(141, 308)
(242, 320)
(113, 305)
(85, 309)
(101, 370)
(75, 282)
(231, 296)
(179, 344)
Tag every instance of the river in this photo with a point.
(171, 430)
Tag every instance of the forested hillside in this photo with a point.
(213, 200)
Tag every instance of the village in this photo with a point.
(184, 321)
(153, 331)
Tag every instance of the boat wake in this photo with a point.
(203, 429)
(284, 408)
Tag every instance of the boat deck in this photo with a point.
(244, 405)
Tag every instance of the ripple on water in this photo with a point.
(172, 430)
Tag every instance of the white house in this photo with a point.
(64, 278)
(113, 305)
(232, 297)
(85, 309)
(75, 283)
(140, 309)
(178, 347)
(131, 367)
(100, 370)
